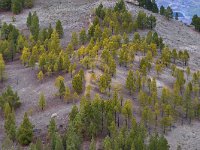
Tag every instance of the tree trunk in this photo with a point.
(118, 121)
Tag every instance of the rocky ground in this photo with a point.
(74, 15)
(187, 136)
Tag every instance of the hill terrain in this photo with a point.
(74, 15)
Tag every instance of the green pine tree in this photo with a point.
(42, 101)
(25, 131)
(59, 28)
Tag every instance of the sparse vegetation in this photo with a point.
(98, 67)
(16, 6)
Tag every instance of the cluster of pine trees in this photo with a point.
(113, 119)
(196, 22)
(106, 45)
(50, 56)
(152, 6)
(149, 5)
(10, 42)
(119, 16)
(167, 12)
(16, 6)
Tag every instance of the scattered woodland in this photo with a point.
(112, 41)
(16, 6)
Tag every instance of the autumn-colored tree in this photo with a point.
(40, 76)
(25, 55)
(58, 81)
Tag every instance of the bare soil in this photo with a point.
(74, 15)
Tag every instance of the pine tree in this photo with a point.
(186, 57)
(7, 109)
(34, 28)
(5, 4)
(107, 143)
(17, 6)
(52, 128)
(82, 37)
(54, 43)
(174, 55)
(130, 85)
(127, 110)
(10, 97)
(158, 69)
(104, 82)
(40, 76)
(169, 13)
(58, 81)
(42, 101)
(151, 22)
(196, 22)
(59, 144)
(10, 126)
(74, 39)
(62, 89)
(29, 19)
(163, 144)
(25, 131)
(141, 20)
(162, 10)
(77, 83)
(59, 29)
(67, 94)
(25, 56)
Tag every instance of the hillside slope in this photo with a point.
(74, 15)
